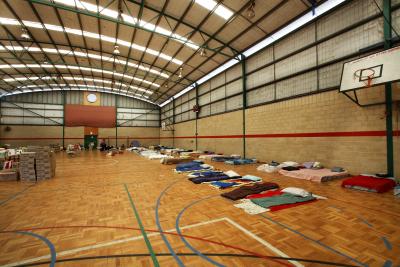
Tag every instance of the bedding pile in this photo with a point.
(244, 191)
(369, 183)
(275, 200)
(224, 158)
(240, 161)
(315, 175)
(170, 160)
(192, 166)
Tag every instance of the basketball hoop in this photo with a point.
(365, 76)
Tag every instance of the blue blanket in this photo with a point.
(240, 161)
(190, 166)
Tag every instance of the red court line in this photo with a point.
(270, 258)
(274, 135)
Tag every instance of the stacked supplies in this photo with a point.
(45, 162)
(8, 175)
(55, 147)
(27, 166)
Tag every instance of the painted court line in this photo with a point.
(106, 244)
(129, 239)
(262, 241)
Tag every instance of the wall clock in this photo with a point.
(91, 98)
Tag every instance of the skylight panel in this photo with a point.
(128, 19)
(51, 27)
(221, 10)
(60, 66)
(75, 78)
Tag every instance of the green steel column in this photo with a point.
(63, 125)
(387, 32)
(173, 122)
(244, 77)
(116, 121)
(197, 113)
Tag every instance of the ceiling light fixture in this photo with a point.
(203, 52)
(180, 72)
(25, 34)
(72, 67)
(250, 13)
(120, 15)
(65, 52)
(116, 50)
(94, 35)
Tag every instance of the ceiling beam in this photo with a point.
(183, 22)
(100, 16)
(269, 13)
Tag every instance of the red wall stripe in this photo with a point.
(277, 135)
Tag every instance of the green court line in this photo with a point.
(146, 239)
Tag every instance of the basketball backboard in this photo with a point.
(371, 70)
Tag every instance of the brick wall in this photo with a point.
(313, 116)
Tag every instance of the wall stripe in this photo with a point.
(277, 135)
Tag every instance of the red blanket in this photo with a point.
(381, 185)
(277, 193)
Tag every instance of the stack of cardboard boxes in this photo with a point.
(44, 161)
(55, 147)
(27, 166)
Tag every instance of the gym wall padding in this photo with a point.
(92, 116)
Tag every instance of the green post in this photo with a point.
(63, 125)
(196, 113)
(387, 32)
(116, 121)
(243, 61)
(173, 122)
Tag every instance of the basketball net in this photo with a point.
(365, 78)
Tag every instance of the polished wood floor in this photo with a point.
(93, 210)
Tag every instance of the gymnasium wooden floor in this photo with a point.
(94, 210)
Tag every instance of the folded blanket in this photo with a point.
(379, 185)
(253, 178)
(240, 161)
(244, 191)
(222, 159)
(204, 174)
(169, 161)
(321, 175)
(284, 198)
(223, 185)
(249, 207)
(192, 166)
(268, 168)
(199, 180)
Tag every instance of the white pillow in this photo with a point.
(231, 173)
(290, 164)
(296, 191)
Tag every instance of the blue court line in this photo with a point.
(313, 240)
(178, 230)
(15, 195)
(177, 259)
(365, 221)
(53, 254)
(387, 243)
(388, 263)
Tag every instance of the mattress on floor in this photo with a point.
(320, 175)
(368, 183)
